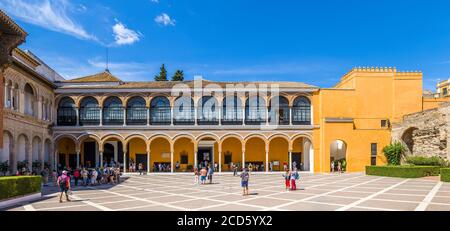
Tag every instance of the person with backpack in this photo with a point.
(84, 176)
(245, 176)
(294, 177)
(64, 185)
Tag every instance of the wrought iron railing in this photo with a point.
(232, 116)
(255, 115)
(160, 116)
(67, 116)
(207, 117)
(90, 116)
(137, 116)
(184, 117)
(113, 116)
(279, 115)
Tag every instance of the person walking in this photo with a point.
(64, 185)
(287, 179)
(332, 166)
(140, 167)
(245, 176)
(339, 167)
(210, 174)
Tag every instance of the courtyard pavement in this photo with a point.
(319, 192)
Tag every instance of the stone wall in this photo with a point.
(425, 133)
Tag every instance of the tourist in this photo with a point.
(94, 176)
(210, 174)
(203, 174)
(177, 166)
(294, 177)
(196, 173)
(332, 166)
(76, 175)
(54, 176)
(294, 164)
(45, 173)
(339, 167)
(84, 176)
(245, 176)
(140, 168)
(270, 166)
(287, 179)
(216, 166)
(64, 185)
(285, 167)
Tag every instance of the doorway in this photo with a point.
(89, 154)
(205, 156)
(297, 161)
(73, 161)
(141, 158)
(108, 154)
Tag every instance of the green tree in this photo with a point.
(178, 76)
(162, 74)
(394, 153)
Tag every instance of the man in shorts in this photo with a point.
(244, 181)
(64, 185)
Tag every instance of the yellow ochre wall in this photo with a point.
(234, 146)
(356, 106)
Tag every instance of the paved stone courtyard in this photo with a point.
(335, 192)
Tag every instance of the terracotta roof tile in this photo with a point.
(105, 76)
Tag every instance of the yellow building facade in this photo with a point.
(101, 118)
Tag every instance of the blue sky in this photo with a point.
(232, 40)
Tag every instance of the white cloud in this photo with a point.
(123, 35)
(50, 14)
(165, 20)
(154, 1)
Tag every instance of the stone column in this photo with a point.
(267, 160)
(290, 115)
(125, 160)
(243, 114)
(171, 161)
(78, 158)
(148, 116)
(101, 159)
(196, 158)
(148, 161)
(77, 110)
(243, 159)
(124, 116)
(220, 160)
(101, 116)
(290, 159)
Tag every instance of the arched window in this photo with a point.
(160, 111)
(113, 111)
(255, 110)
(30, 99)
(301, 111)
(89, 111)
(136, 111)
(279, 111)
(67, 112)
(232, 111)
(207, 111)
(184, 111)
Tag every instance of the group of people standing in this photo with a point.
(204, 174)
(290, 178)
